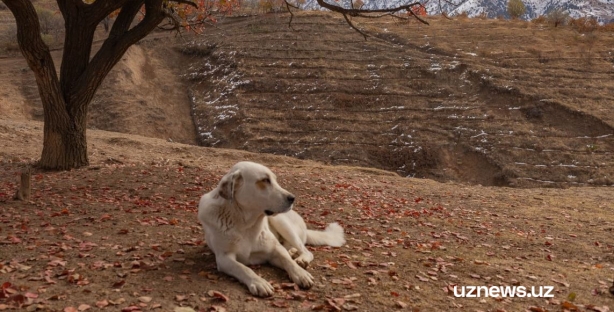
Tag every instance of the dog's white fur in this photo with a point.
(247, 215)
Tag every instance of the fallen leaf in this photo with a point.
(102, 303)
(401, 304)
(218, 295)
(119, 283)
(145, 299)
(83, 307)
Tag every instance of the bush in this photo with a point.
(516, 8)
(8, 39)
(584, 24)
(558, 17)
(540, 20)
(50, 21)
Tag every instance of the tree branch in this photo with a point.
(367, 13)
(288, 5)
(355, 28)
(121, 37)
(358, 12)
(35, 51)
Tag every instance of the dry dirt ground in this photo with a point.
(123, 235)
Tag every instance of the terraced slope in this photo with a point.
(485, 102)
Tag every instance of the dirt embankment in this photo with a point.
(143, 94)
(478, 101)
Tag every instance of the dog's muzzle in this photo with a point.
(290, 199)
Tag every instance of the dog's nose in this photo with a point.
(291, 198)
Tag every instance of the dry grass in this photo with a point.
(524, 95)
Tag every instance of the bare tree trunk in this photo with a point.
(64, 142)
(23, 193)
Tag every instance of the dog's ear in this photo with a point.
(230, 183)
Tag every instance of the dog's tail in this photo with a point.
(331, 236)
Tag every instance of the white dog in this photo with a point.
(247, 215)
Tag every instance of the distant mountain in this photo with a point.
(602, 10)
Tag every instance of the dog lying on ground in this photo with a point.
(248, 216)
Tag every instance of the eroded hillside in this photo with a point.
(479, 101)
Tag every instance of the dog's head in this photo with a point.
(254, 186)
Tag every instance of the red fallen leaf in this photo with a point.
(569, 306)
(131, 308)
(6, 285)
(333, 305)
(119, 283)
(123, 231)
(83, 307)
(218, 295)
(31, 295)
(102, 303)
(18, 299)
(105, 217)
(289, 286)
(394, 293)
(49, 280)
(537, 309)
(70, 309)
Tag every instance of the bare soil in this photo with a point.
(490, 102)
(122, 234)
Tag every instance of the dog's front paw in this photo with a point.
(261, 288)
(304, 259)
(302, 278)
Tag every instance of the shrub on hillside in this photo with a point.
(541, 20)
(8, 39)
(516, 8)
(584, 24)
(557, 17)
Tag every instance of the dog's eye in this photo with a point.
(266, 180)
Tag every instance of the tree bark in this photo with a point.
(66, 98)
(25, 189)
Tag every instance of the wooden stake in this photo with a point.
(23, 193)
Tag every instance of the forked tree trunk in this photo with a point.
(66, 98)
